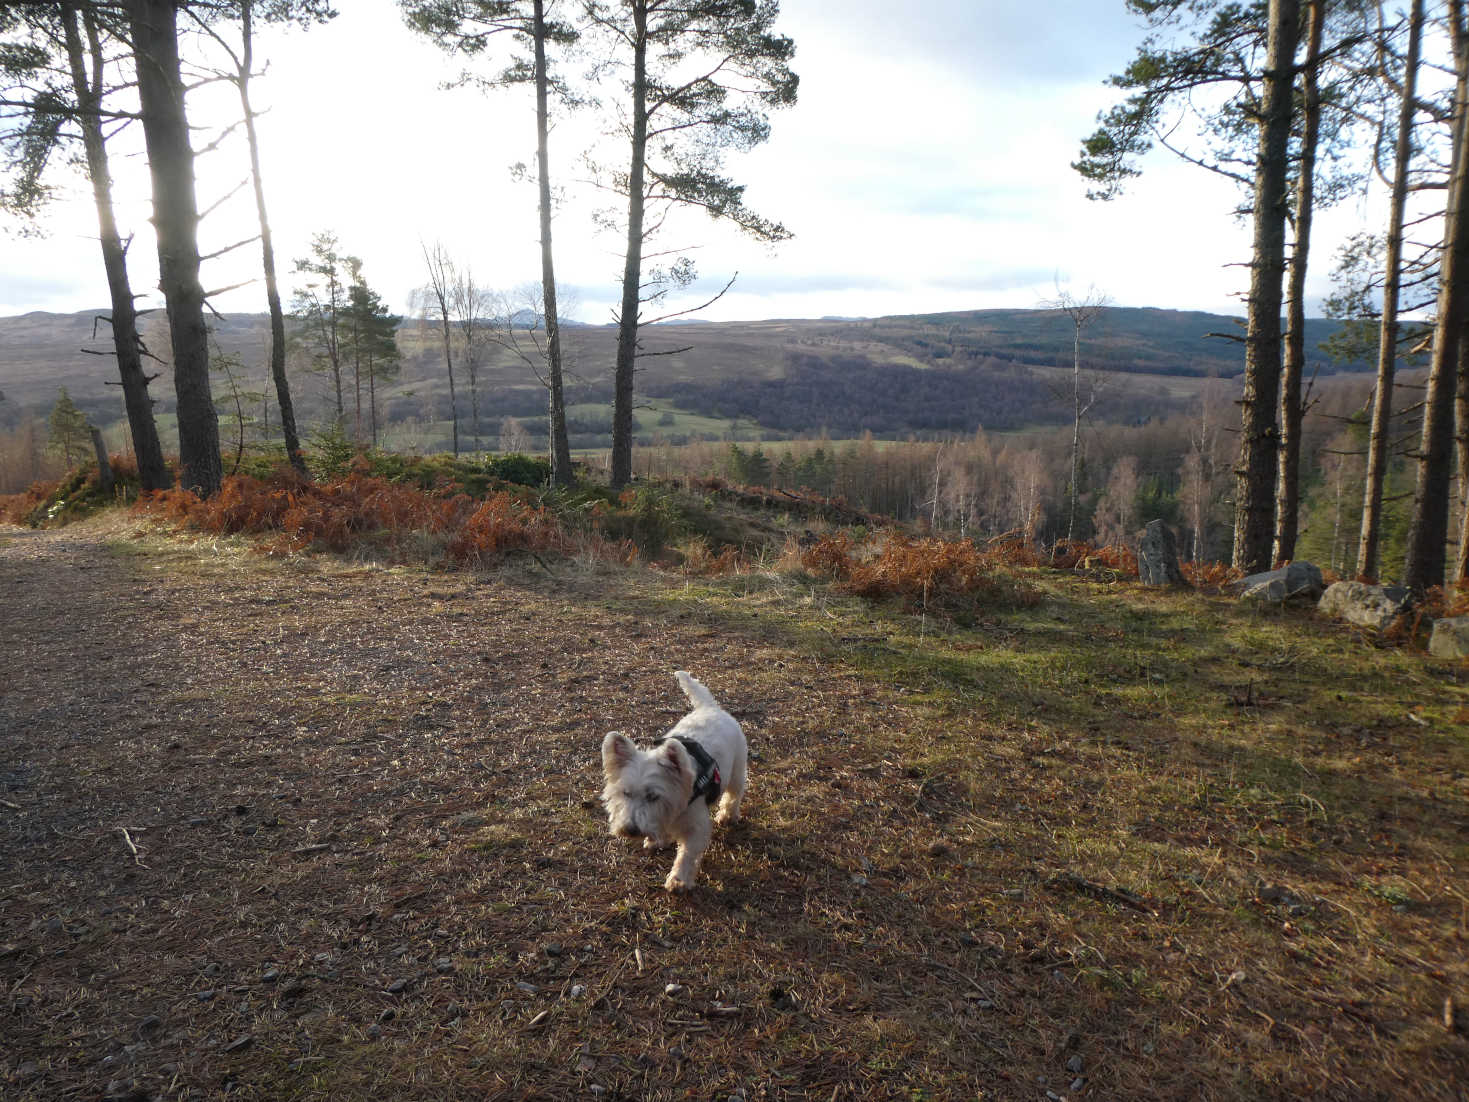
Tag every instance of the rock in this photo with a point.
(245, 1040)
(527, 988)
(1297, 579)
(1077, 1084)
(1157, 556)
(374, 1031)
(444, 965)
(577, 991)
(1450, 638)
(1368, 606)
(1074, 1065)
(673, 990)
(397, 987)
(150, 1027)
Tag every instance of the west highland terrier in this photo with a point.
(664, 795)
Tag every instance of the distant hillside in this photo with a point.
(894, 376)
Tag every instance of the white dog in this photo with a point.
(665, 794)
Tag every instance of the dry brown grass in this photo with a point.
(1212, 853)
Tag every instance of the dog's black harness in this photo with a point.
(706, 780)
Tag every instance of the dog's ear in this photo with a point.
(673, 757)
(617, 751)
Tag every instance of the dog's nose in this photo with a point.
(627, 830)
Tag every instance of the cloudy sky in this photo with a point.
(924, 168)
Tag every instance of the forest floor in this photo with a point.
(306, 828)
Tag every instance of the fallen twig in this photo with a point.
(1099, 891)
(132, 847)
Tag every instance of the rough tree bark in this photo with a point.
(267, 252)
(1369, 539)
(1292, 409)
(441, 280)
(561, 472)
(1428, 531)
(1259, 455)
(627, 319)
(176, 220)
(124, 320)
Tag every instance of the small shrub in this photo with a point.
(20, 509)
(503, 524)
(79, 494)
(1209, 575)
(524, 470)
(951, 577)
(1080, 555)
(1013, 548)
(332, 451)
(696, 558)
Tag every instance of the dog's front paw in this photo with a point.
(676, 883)
(726, 815)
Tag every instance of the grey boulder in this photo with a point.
(1450, 638)
(1297, 579)
(1157, 556)
(1368, 606)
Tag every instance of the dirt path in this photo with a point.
(337, 779)
(307, 829)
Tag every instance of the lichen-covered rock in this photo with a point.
(1368, 606)
(1297, 579)
(1450, 638)
(1157, 556)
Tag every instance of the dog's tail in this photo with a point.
(699, 696)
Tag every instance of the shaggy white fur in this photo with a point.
(648, 792)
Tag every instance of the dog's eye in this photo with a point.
(652, 797)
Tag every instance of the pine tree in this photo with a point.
(162, 95)
(70, 435)
(320, 297)
(467, 27)
(60, 100)
(370, 343)
(678, 131)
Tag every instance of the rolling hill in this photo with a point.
(894, 376)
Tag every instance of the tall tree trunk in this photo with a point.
(1259, 456)
(1428, 532)
(1075, 429)
(561, 472)
(449, 366)
(1292, 407)
(267, 254)
(627, 321)
(136, 400)
(176, 220)
(334, 344)
(1387, 346)
(372, 396)
(1461, 403)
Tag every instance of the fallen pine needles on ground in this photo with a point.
(305, 827)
